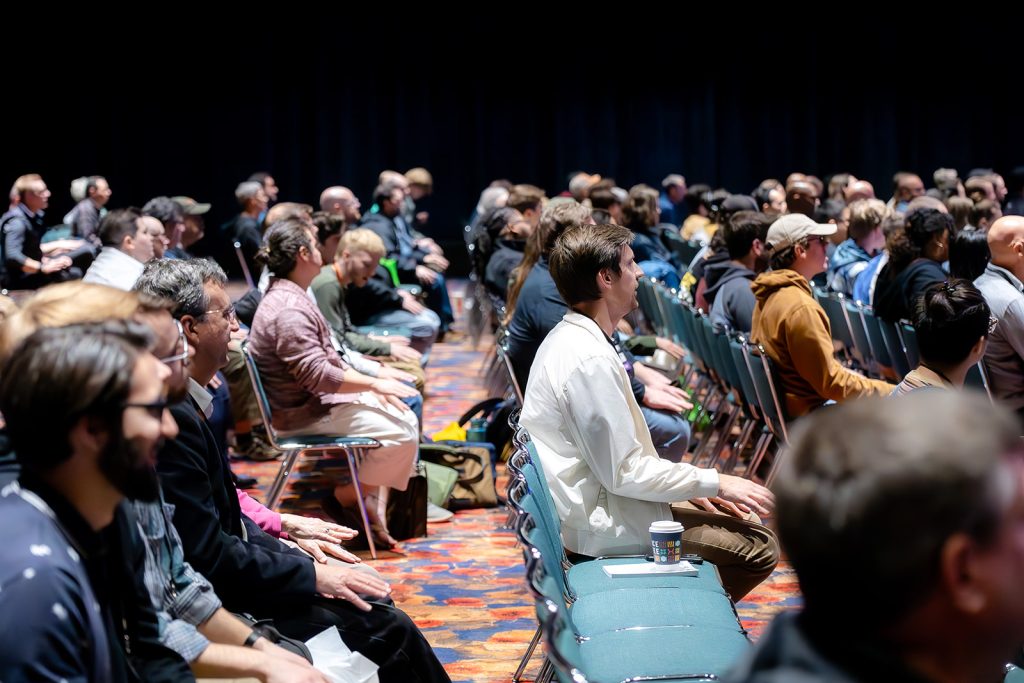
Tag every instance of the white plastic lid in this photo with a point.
(666, 527)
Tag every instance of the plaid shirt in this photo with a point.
(183, 598)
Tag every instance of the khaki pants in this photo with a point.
(744, 550)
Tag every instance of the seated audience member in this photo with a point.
(641, 214)
(127, 246)
(85, 218)
(866, 239)
(171, 217)
(933, 598)
(864, 285)
(85, 412)
(793, 327)
(952, 322)
(192, 229)
(28, 263)
(960, 209)
(744, 236)
(916, 254)
(606, 204)
(984, 214)
(499, 248)
(414, 264)
(1001, 284)
(969, 254)
(244, 229)
(312, 390)
(353, 264)
(251, 571)
(539, 307)
(606, 478)
(770, 196)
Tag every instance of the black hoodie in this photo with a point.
(728, 292)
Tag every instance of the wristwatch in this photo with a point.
(253, 637)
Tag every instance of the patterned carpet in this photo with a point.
(463, 585)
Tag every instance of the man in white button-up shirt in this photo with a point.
(605, 476)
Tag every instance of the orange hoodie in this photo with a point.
(795, 332)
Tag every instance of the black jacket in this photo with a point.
(387, 230)
(246, 574)
(896, 294)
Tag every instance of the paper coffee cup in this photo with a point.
(667, 543)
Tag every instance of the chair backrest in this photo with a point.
(859, 333)
(977, 377)
(838, 320)
(873, 325)
(762, 371)
(501, 348)
(909, 337)
(736, 348)
(245, 266)
(257, 385)
(894, 345)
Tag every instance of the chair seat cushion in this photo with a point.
(652, 606)
(662, 651)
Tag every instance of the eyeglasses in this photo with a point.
(155, 409)
(992, 322)
(183, 342)
(229, 312)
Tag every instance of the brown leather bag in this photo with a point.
(475, 486)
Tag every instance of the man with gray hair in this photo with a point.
(244, 229)
(904, 521)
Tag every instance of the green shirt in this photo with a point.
(330, 298)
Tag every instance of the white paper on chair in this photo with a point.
(333, 658)
(649, 569)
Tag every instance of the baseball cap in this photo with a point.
(793, 227)
(190, 206)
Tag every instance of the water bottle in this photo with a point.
(477, 429)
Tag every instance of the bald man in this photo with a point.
(1002, 284)
(340, 199)
(802, 197)
(859, 189)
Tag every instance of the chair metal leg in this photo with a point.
(546, 673)
(277, 488)
(367, 529)
(759, 452)
(739, 446)
(525, 661)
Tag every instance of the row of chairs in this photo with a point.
(732, 379)
(882, 348)
(598, 628)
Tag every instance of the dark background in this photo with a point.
(179, 106)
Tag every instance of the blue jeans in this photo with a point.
(423, 327)
(669, 432)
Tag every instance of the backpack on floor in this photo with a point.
(475, 485)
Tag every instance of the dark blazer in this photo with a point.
(247, 574)
(387, 230)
